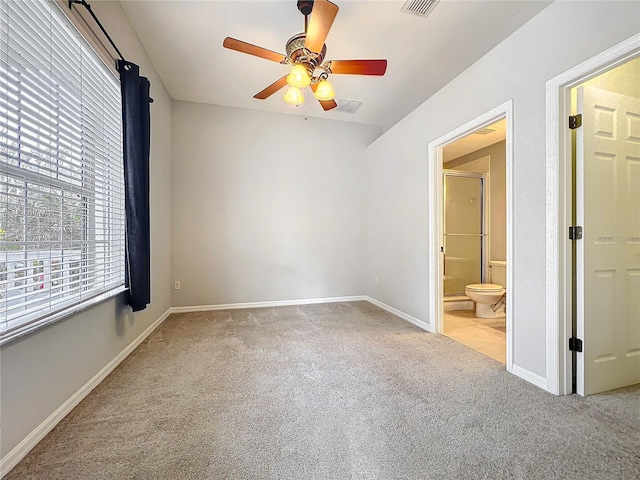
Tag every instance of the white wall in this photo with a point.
(397, 171)
(265, 206)
(39, 372)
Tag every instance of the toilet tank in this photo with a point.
(498, 272)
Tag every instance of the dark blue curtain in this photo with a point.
(136, 138)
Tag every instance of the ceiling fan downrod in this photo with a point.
(305, 7)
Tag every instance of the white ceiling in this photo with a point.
(475, 141)
(184, 41)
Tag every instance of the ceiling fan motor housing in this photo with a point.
(299, 55)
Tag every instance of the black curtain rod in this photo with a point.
(88, 7)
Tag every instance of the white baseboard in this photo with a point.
(530, 377)
(306, 301)
(12, 458)
(277, 303)
(405, 316)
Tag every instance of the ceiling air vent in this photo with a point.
(347, 106)
(421, 8)
(484, 131)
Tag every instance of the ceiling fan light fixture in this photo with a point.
(306, 53)
(294, 96)
(298, 77)
(324, 92)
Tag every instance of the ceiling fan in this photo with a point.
(306, 52)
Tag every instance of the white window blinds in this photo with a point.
(61, 169)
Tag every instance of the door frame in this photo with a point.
(435, 293)
(559, 283)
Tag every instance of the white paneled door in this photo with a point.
(608, 256)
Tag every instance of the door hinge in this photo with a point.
(575, 344)
(575, 121)
(575, 233)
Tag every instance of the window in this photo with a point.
(61, 169)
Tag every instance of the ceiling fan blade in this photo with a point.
(322, 17)
(326, 104)
(271, 89)
(244, 47)
(358, 67)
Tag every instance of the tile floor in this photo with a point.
(485, 335)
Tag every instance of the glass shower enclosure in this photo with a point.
(464, 230)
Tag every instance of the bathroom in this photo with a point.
(474, 221)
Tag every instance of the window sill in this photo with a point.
(31, 327)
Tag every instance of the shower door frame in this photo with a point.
(484, 215)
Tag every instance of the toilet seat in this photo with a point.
(485, 288)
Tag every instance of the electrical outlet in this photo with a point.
(376, 280)
(176, 285)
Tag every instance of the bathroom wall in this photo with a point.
(471, 162)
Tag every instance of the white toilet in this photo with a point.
(490, 297)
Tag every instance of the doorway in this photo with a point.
(606, 200)
(593, 182)
(474, 240)
(462, 250)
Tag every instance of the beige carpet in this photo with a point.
(336, 391)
